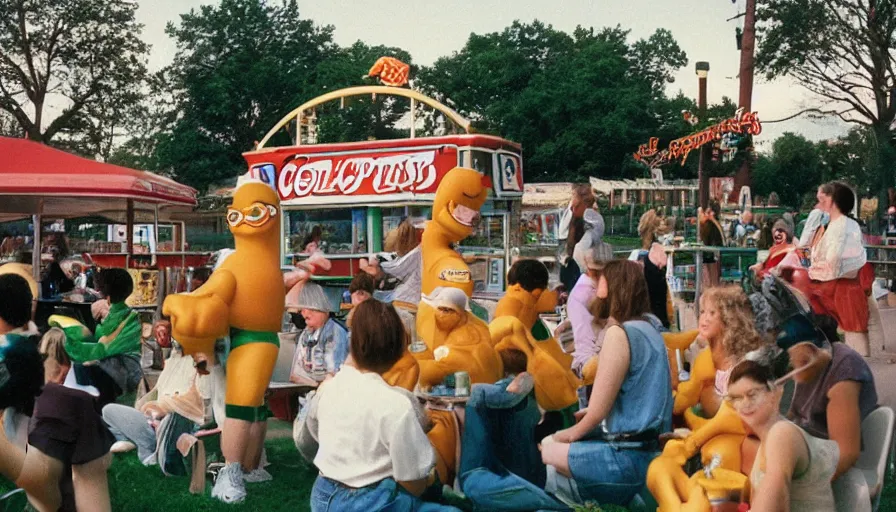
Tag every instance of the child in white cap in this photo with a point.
(323, 344)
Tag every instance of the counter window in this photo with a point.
(343, 231)
(488, 235)
(392, 217)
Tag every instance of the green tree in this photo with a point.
(793, 170)
(85, 54)
(359, 118)
(580, 103)
(851, 158)
(241, 65)
(843, 52)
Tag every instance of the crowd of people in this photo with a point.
(367, 434)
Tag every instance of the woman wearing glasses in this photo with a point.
(793, 469)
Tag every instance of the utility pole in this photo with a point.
(702, 69)
(745, 100)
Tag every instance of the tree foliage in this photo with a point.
(793, 169)
(843, 51)
(579, 103)
(85, 54)
(240, 66)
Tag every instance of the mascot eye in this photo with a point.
(256, 213)
(272, 210)
(234, 217)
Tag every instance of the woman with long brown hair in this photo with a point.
(604, 457)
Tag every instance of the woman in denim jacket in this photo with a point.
(604, 457)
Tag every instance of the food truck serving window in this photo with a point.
(392, 217)
(343, 230)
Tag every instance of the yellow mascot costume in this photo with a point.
(515, 316)
(719, 441)
(466, 347)
(242, 299)
(702, 380)
(455, 212)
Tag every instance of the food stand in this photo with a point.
(38, 182)
(358, 191)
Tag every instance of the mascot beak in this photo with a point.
(486, 182)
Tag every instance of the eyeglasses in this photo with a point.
(752, 397)
(254, 215)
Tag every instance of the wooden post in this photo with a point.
(129, 233)
(36, 243)
(745, 98)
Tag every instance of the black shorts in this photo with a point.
(67, 426)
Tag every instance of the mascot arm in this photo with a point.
(433, 372)
(404, 373)
(200, 317)
(726, 421)
(703, 373)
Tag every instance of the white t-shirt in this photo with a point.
(368, 432)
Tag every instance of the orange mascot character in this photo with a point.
(515, 317)
(719, 441)
(455, 212)
(239, 299)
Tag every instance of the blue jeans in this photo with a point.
(500, 467)
(386, 496)
(605, 472)
(129, 424)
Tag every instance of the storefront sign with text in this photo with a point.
(365, 174)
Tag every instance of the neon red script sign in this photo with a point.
(741, 123)
(365, 174)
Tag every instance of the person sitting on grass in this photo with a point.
(108, 359)
(391, 460)
(64, 467)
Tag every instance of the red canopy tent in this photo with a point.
(37, 180)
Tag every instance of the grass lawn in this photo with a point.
(137, 488)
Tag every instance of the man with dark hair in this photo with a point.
(531, 275)
(361, 288)
(15, 308)
(115, 345)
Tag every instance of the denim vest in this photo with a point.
(644, 402)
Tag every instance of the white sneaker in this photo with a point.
(257, 475)
(122, 447)
(229, 486)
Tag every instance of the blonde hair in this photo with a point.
(53, 345)
(739, 334)
(402, 239)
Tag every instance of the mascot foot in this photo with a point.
(229, 486)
